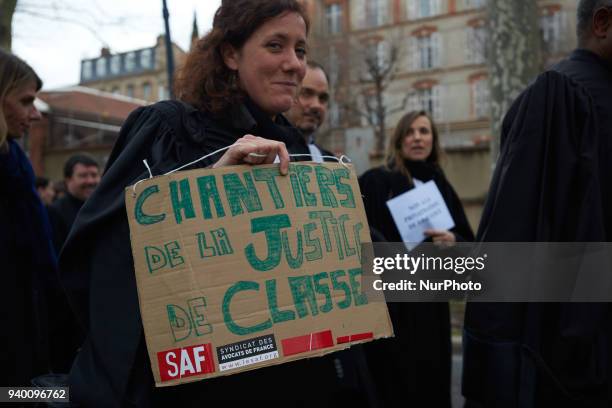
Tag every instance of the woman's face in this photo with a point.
(19, 109)
(272, 62)
(418, 141)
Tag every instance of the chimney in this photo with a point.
(105, 52)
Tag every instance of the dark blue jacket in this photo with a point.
(27, 266)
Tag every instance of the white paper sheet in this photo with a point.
(417, 210)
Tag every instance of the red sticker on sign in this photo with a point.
(308, 342)
(185, 362)
(355, 337)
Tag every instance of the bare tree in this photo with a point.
(376, 67)
(92, 19)
(514, 56)
(7, 9)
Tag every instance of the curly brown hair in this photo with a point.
(205, 81)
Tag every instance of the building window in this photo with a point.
(333, 66)
(370, 106)
(425, 51)
(476, 50)
(480, 98)
(115, 64)
(115, 90)
(333, 15)
(130, 61)
(101, 67)
(86, 70)
(551, 24)
(428, 99)
(334, 115)
(470, 4)
(161, 92)
(422, 8)
(145, 58)
(377, 57)
(146, 91)
(376, 12)
(129, 90)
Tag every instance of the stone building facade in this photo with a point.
(440, 49)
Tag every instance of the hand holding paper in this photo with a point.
(422, 212)
(443, 238)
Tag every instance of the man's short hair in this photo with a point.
(584, 16)
(42, 182)
(83, 159)
(315, 65)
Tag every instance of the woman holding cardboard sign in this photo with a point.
(235, 84)
(418, 360)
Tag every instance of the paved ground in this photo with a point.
(456, 381)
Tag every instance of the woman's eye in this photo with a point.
(274, 46)
(300, 52)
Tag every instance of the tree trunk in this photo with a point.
(7, 8)
(514, 56)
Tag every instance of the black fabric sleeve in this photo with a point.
(546, 186)
(462, 229)
(96, 265)
(140, 131)
(375, 190)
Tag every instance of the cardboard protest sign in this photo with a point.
(239, 268)
(419, 209)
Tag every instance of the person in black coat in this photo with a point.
(234, 85)
(26, 252)
(81, 175)
(551, 184)
(414, 368)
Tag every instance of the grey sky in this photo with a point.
(54, 35)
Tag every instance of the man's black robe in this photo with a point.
(113, 368)
(551, 183)
(65, 334)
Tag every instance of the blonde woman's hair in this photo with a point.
(395, 160)
(14, 73)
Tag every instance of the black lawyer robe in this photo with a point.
(551, 183)
(418, 360)
(28, 266)
(96, 263)
(65, 334)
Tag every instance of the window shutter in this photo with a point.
(413, 101)
(359, 10)
(411, 9)
(436, 45)
(383, 54)
(437, 96)
(436, 7)
(414, 56)
(469, 45)
(383, 16)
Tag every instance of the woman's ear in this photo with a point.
(230, 56)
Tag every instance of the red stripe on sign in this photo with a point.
(308, 342)
(355, 337)
(185, 362)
